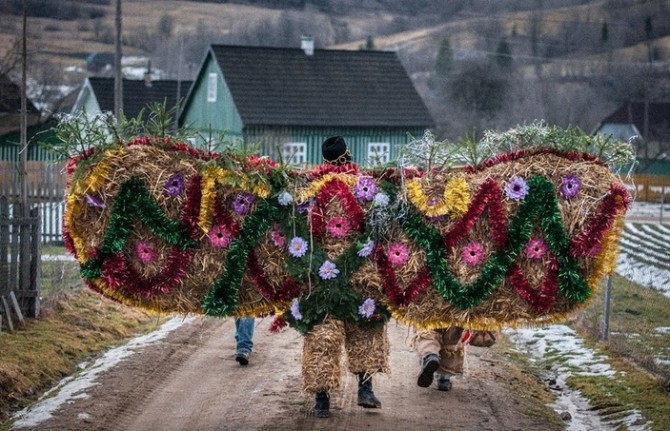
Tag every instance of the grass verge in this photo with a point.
(73, 327)
(638, 347)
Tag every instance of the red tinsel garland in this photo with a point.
(515, 155)
(545, 298)
(589, 241)
(336, 189)
(390, 282)
(68, 241)
(321, 170)
(221, 216)
(489, 197)
(278, 323)
(191, 211)
(168, 143)
(288, 289)
(118, 273)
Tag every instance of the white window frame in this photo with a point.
(294, 153)
(378, 153)
(212, 79)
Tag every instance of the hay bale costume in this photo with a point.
(522, 238)
(367, 347)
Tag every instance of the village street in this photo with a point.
(189, 380)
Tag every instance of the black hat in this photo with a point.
(335, 151)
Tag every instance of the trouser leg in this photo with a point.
(452, 351)
(367, 349)
(321, 354)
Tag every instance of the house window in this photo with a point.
(378, 153)
(294, 153)
(211, 87)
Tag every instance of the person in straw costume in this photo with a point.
(367, 349)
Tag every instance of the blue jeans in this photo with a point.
(244, 332)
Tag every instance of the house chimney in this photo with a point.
(307, 44)
(147, 75)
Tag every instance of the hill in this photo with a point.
(568, 61)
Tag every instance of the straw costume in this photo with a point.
(367, 348)
(520, 238)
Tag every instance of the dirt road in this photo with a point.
(190, 381)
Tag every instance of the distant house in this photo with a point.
(97, 62)
(650, 123)
(289, 100)
(10, 120)
(97, 95)
(10, 107)
(650, 120)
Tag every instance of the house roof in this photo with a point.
(285, 86)
(618, 131)
(633, 112)
(136, 94)
(10, 97)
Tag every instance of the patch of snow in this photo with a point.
(74, 387)
(662, 329)
(569, 356)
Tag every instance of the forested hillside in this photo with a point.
(478, 64)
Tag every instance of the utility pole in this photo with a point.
(118, 75)
(23, 174)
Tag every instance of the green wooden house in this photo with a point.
(287, 101)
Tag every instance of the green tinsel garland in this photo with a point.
(539, 204)
(134, 201)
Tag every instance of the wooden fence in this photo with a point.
(46, 189)
(650, 188)
(20, 260)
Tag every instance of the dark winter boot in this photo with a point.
(443, 383)
(429, 365)
(366, 398)
(322, 407)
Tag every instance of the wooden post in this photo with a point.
(17, 309)
(606, 311)
(9, 318)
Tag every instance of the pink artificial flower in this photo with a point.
(338, 227)
(278, 238)
(145, 253)
(398, 254)
(473, 253)
(219, 236)
(536, 249)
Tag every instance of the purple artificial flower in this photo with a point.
(305, 206)
(367, 248)
(174, 185)
(242, 203)
(297, 247)
(328, 270)
(367, 308)
(365, 189)
(570, 186)
(295, 309)
(94, 202)
(516, 188)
